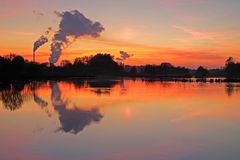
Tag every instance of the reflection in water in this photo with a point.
(102, 84)
(103, 87)
(72, 120)
(75, 119)
(99, 87)
(13, 96)
(39, 101)
(152, 82)
(42, 103)
(78, 84)
(231, 88)
(152, 120)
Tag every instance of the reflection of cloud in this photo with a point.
(72, 120)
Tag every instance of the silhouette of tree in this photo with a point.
(4, 65)
(10, 56)
(78, 62)
(133, 70)
(80, 65)
(232, 68)
(18, 62)
(103, 64)
(166, 69)
(85, 60)
(201, 72)
(230, 60)
(66, 63)
(150, 69)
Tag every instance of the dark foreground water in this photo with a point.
(119, 120)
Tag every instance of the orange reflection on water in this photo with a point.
(122, 119)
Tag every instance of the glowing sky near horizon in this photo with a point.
(183, 32)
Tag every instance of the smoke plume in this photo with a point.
(42, 40)
(124, 56)
(73, 25)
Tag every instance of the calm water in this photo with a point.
(119, 120)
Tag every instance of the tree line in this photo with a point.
(16, 67)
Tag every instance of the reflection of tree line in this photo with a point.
(232, 88)
(73, 120)
(99, 87)
(14, 95)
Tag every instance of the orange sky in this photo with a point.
(187, 33)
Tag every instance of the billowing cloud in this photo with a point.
(73, 25)
(124, 56)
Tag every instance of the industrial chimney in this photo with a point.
(33, 56)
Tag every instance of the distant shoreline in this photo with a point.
(15, 67)
(144, 78)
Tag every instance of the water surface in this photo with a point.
(119, 120)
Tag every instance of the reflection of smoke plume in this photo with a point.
(42, 40)
(75, 120)
(73, 25)
(72, 120)
(39, 101)
(124, 56)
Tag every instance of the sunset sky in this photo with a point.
(184, 32)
